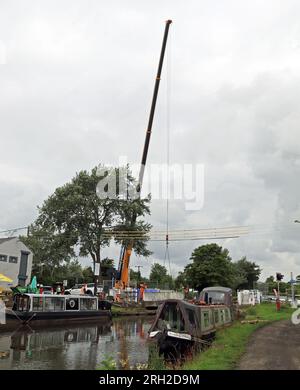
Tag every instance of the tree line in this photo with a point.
(210, 265)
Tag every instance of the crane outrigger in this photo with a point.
(123, 269)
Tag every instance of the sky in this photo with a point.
(76, 81)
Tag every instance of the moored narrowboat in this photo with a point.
(181, 326)
(41, 309)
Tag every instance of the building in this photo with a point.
(15, 260)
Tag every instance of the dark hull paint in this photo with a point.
(174, 349)
(40, 319)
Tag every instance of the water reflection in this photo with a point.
(76, 347)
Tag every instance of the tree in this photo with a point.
(273, 284)
(71, 272)
(75, 216)
(211, 266)
(51, 252)
(246, 273)
(107, 268)
(88, 275)
(180, 282)
(159, 276)
(136, 277)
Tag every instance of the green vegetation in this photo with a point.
(136, 310)
(230, 343)
(155, 361)
(159, 278)
(76, 222)
(212, 266)
(285, 288)
(108, 363)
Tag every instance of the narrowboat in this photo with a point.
(41, 309)
(181, 326)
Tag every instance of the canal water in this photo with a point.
(81, 347)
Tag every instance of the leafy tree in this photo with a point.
(75, 217)
(159, 276)
(246, 273)
(272, 284)
(136, 276)
(88, 275)
(181, 281)
(211, 266)
(270, 279)
(51, 252)
(107, 268)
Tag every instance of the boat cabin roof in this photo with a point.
(221, 289)
(56, 296)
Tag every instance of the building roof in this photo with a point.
(4, 239)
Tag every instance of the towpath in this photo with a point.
(273, 347)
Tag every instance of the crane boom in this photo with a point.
(122, 281)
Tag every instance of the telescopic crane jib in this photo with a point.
(123, 269)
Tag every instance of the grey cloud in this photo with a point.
(76, 91)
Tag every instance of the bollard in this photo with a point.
(278, 304)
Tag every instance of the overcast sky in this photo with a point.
(76, 83)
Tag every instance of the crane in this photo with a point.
(123, 268)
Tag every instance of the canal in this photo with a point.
(82, 347)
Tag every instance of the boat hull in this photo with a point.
(35, 319)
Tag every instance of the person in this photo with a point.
(142, 291)
(83, 289)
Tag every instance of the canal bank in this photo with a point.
(121, 311)
(230, 343)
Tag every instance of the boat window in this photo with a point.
(49, 304)
(72, 303)
(171, 318)
(226, 315)
(88, 304)
(191, 317)
(216, 314)
(22, 303)
(205, 317)
(59, 304)
(216, 297)
(222, 315)
(37, 304)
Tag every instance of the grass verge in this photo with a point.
(230, 342)
(130, 311)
